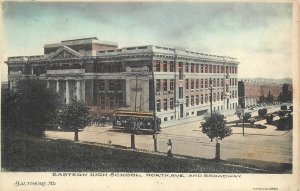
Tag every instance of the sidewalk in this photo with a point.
(258, 144)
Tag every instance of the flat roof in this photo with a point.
(89, 38)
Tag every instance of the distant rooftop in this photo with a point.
(89, 38)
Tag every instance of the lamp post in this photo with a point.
(136, 78)
(243, 114)
(211, 88)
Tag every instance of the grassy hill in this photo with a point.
(29, 154)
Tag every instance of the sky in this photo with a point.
(259, 35)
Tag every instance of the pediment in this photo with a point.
(64, 52)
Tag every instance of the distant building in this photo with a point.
(174, 82)
(4, 85)
(252, 92)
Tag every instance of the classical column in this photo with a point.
(78, 90)
(67, 92)
(127, 90)
(83, 90)
(57, 86)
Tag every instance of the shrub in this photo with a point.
(283, 107)
(269, 119)
(262, 112)
(282, 124)
(281, 114)
(247, 116)
(252, 121)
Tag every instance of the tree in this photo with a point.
(215, 128)
(28, 107)
(74, 116)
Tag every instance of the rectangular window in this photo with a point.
(101, 85)
(157, 66)
(165, 104)
(210, 68)
(172, 85)
(192, 84)
(206, 98)
(118, 85)
(201, 99)
(222, 96)
(197, 99)
(111, 103)
(187, 101)
(157, 85)
(214, 82)
(180, 68)
(218, 69)
(171, 103)
(180, 92)
(218, 82)
(186, 67)
(121, 102)
(192, 68)
(202, 68)
(201, 83)
(158, 105)
(165, 84)
(192, 100)
(197, 83)
(197, 68)
(187, 84)
(102, 103)
(218, 96)
(206, 83)
(171, 66)
(206, 68)
(111, 85)
(214, 97)
(165, 66)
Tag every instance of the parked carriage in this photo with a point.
(136, 122)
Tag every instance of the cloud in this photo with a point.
(258, 34)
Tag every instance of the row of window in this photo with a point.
(110, 85)
(193, 83)
(192, 100)
(111, 103)
(194, 68)
(205, 83)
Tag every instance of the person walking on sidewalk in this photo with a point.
(169, 145)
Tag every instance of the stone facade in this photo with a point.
(176, 83)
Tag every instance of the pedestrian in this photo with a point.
(169, 145)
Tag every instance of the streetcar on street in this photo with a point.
(136, 122)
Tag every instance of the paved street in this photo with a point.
(260, 144)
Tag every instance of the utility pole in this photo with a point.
(135, 99)
(210, 86)
(154, 112)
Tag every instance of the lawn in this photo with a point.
(29, 154)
